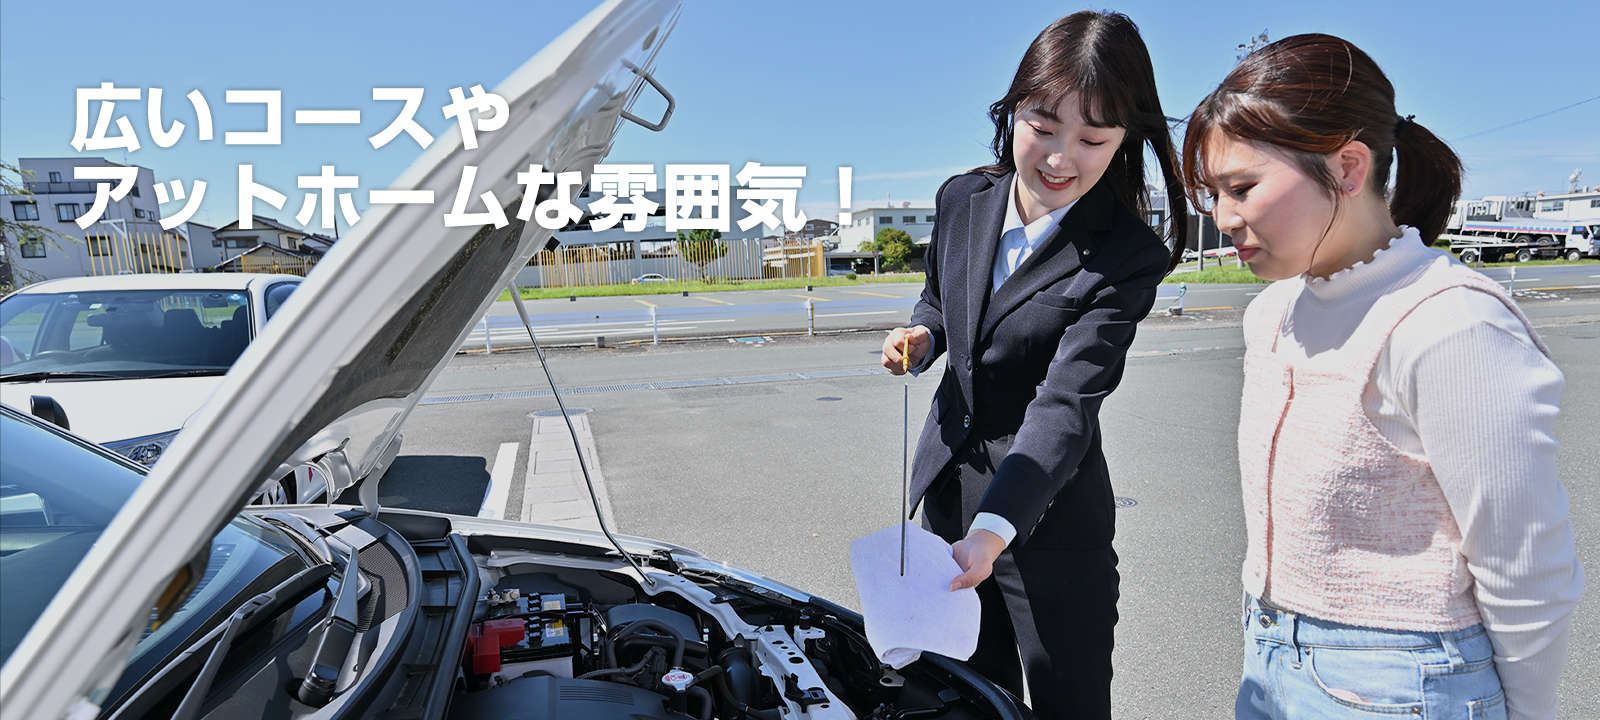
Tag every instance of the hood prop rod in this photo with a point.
(600, 517)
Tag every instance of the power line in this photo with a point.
(1519, 122)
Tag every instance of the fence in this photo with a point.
(719, 260)
(135, 252)
(268, 262)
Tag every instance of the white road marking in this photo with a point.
(499, 490)
(874, 312)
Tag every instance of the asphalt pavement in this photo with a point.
(773, 452)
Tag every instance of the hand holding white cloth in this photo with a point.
(908, 615)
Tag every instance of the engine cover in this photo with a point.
(550, 698)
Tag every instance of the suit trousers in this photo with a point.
(1057, 607)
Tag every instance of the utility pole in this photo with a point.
(1255, 44)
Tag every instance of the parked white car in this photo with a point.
(126, 360)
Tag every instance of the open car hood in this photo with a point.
(370, 328)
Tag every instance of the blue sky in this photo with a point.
(896, 90)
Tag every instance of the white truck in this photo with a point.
(1584, 240)
(1500, 227)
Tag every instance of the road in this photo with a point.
(774, 454)
(627, 319)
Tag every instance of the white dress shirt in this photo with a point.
(1017, 240)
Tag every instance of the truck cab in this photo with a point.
(1583, 241)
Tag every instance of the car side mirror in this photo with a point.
(46, 408)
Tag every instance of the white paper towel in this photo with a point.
(907, 615)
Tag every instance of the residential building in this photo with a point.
(814, 228)
(268, 246)
(127, 238)
(204, 248)
(233, 239)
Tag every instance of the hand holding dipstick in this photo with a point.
(906, 348)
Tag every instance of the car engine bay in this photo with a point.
(556, 636)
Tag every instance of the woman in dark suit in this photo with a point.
(1040, 267)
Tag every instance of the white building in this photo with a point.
(915, 218)
(127, 239)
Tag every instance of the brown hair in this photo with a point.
(1310, 95)
(1101, 57)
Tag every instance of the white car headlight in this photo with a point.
(143, 450)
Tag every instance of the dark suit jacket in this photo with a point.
(1029, 366)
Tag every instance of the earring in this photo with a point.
(1349, 188)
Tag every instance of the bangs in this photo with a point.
(1100, 103)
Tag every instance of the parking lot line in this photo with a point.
(499, 490)
(863, 292)
(719, 302)
(645, 303)
(812, 297)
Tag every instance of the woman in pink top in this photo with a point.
(1409, 549)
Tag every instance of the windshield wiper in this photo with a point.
(187, 373)
(245, 617)
(337, 635)
(54, 375)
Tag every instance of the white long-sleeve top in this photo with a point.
(1462, 383)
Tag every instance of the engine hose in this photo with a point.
(727, 696)
(616, 670)
(636, 626)
(705, 675)
(706, 703)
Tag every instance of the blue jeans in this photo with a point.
(1296, 666)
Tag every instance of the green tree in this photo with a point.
(14, 234)
(701, 248)
(897, 247)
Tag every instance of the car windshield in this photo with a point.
(123, 333)
(57, 494)
(247, 558)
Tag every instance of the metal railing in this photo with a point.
(136, 252)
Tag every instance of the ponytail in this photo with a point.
(1427, 180)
